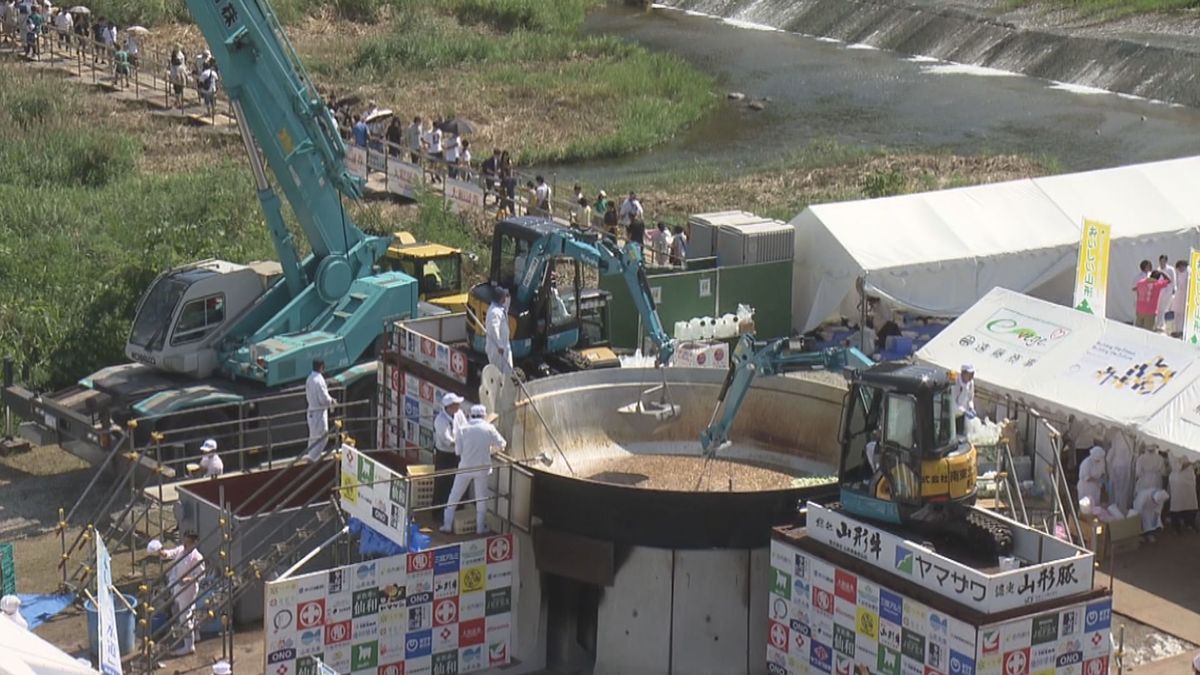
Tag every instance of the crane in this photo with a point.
(215, 333)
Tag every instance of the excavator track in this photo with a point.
(990, 537)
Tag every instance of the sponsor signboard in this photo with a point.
(432, 354)
(374, 494)
(403, 178)
(110, 649)
(464, 195)
(891, 633)
(963, 584)
(397, 615)
(1091, 274)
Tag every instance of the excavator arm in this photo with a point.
(751, 359)
(609, 259)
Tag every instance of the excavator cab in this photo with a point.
(551, 324)
(902, 461)
(436, 267)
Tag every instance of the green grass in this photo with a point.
(1114, 7)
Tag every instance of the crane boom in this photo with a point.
(329, 305)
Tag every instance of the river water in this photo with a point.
(862, 97)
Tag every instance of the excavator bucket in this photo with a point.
(660, 410)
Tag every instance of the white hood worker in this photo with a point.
(316, 391)
(964, 398)
(1120, 470)
(1091, 475)
(210, 463)
(1182, 485)
(498, 341)
(1149, 470)
(475, 444)
(1148, 504)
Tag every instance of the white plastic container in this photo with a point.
(727, 327)
(681, 330)
(707, 327)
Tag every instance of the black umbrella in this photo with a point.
(459, 126)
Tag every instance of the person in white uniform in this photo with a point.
(964, 398)
(1091, 475)
(1148, 504)
(498, 345)
(475, 444)
(445, 430)
(1120, 470)
(1182, 485)
(1179, 300)
(184, 574)
(210, 463)
(10, 605)
(316, 391)
(1149, 470)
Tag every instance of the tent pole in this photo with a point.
(862, 319)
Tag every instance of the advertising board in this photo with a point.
(441, 611)
(965, 585)
(374, 494)
(827, 619)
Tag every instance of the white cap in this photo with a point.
(208, 445)
(450, 399)
(478, 411)
(10, 604)
(968, 368)
(222, 668)
(154, 546)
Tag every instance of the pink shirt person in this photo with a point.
(1148, 292)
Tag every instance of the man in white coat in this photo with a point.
(1179, 300)
(1120, 470)
(316, 391)
(474, 444)
(1091, 475)
(964, 398)
(1182, 485)
(498, 342)
(445, 430)
(1148, 504)
(1149, 470)
(185, 572)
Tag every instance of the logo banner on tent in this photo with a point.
(110, 649)
(1191, 326)
(1091, 275)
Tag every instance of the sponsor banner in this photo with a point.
(356, 161)
(701, 355)
(394, 615)
(432, 354)
(110, 648)
(1191, 324)
(892, 633)
(376, 161)
(965, 585)
(1091, 273)
(464, 195)
(403, 178)
(1128, 374)
(374, 494)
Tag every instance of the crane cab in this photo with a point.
(436, 267)
(187, 309)
(901, 458)
(561, 319)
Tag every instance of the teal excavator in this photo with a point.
(216, 332)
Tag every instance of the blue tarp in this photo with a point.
(372, 544)
(38, 608)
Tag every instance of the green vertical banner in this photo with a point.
(8, 570)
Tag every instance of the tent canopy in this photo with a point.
(938, 252)
(24, 652)
(1061, 360)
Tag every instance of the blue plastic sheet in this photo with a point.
(372, 544)
(38, 608)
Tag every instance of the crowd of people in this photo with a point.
(1161, 295)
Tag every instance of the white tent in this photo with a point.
(1060, 360)
(24, 653)
(936, 253)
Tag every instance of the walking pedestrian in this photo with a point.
(64, 25)
(361, 131)
(679, 247)
(177, 75)
(394, 136)
(491, 174)
(464, 160)
(121, 68)
(508, 182)
(1168, 295)
(208, 87)
(475, 444)
(450, 150)
(412, 138)
(316, 394)
(541, 196)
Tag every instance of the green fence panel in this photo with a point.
(680, 295)
(8, 570)
(767, 288)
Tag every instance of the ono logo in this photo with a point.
(1068, 659)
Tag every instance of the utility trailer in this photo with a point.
(850, 597)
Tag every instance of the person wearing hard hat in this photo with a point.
(964, 398)
(10, 606)
(475, 443)
(445, 429)
(210, 463)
